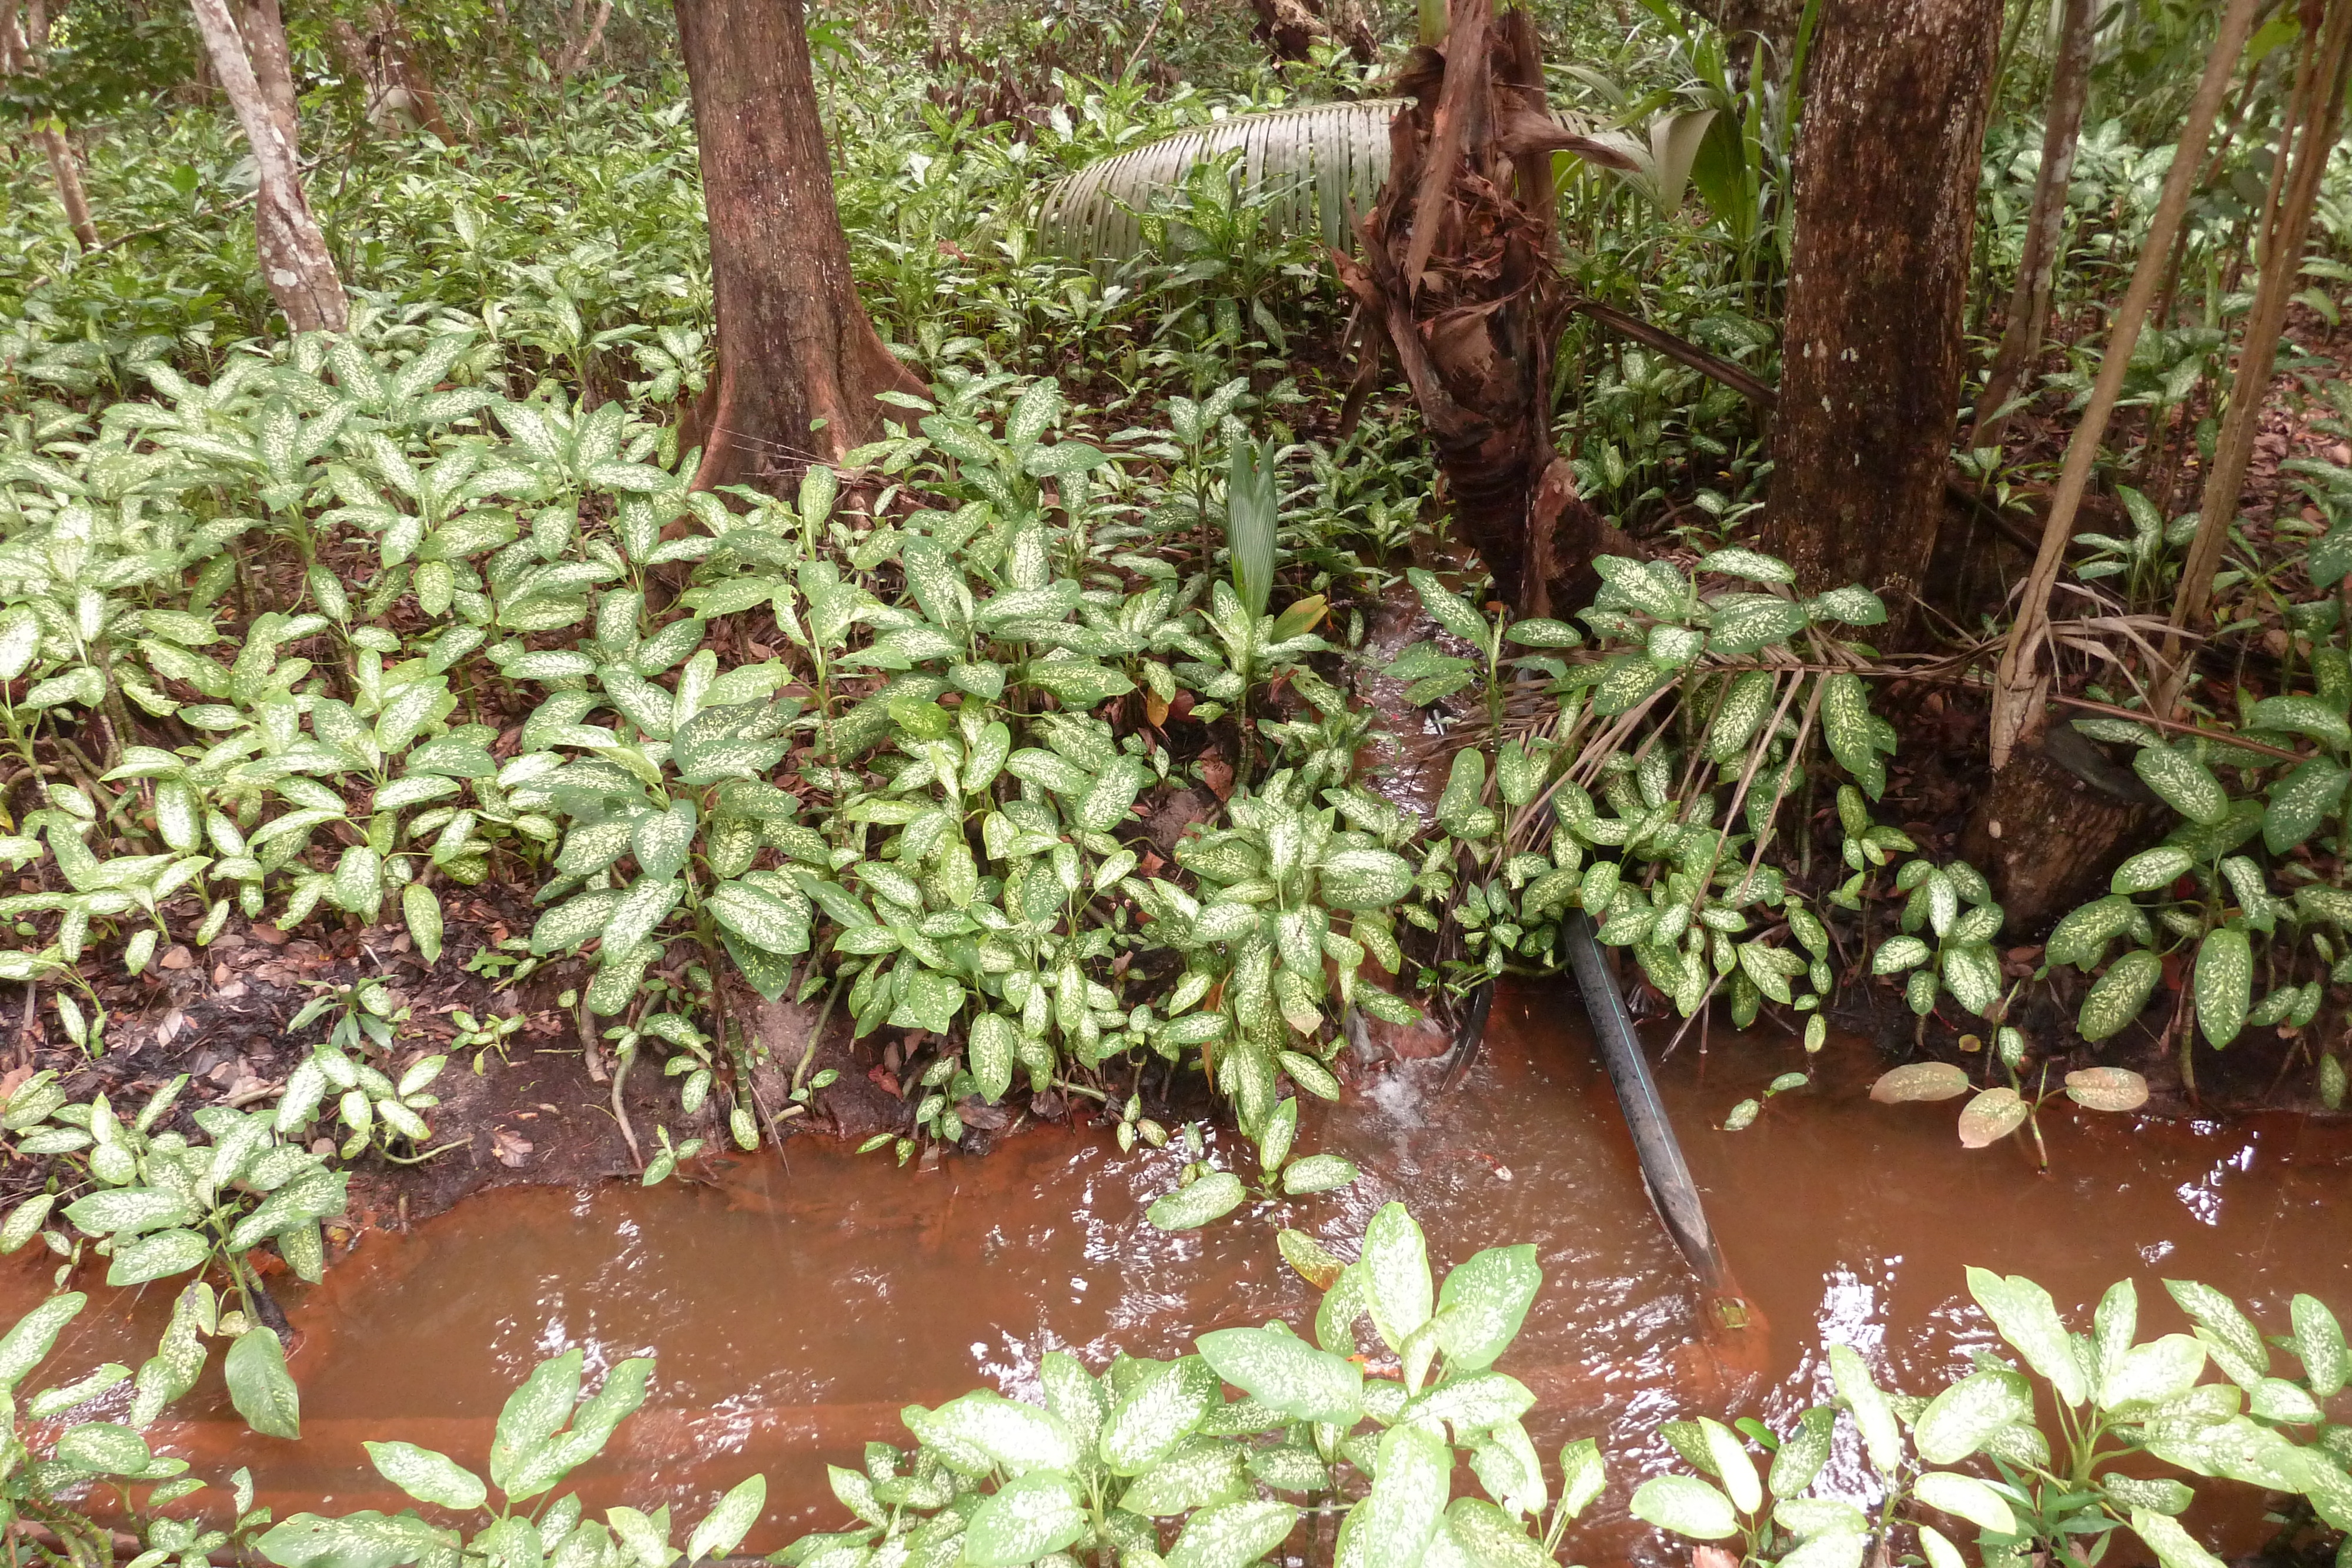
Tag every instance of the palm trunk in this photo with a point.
(295, 261)
(1456, 272)
(799, 363)
(1887, 164)
(2045, 226)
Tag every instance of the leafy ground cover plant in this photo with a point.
(158, 1204)
(2060, 1484)
(546, 1431)
(58, 1467)
(1994, 1111)
(1150, 1459)
(471, 488)
(1702, 719)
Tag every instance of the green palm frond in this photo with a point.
(1319, 167)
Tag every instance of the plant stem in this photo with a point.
(621, 1060)
(2017, 686)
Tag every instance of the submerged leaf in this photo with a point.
(2107, 1088)
(1920, 1081)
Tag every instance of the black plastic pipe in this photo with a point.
(1672, 1191)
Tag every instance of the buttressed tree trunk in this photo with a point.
(253, 70)
(1895, 99)
(799, 363)
(1456, 272)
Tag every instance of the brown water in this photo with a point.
(794, 1309)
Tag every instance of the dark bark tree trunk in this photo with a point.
(2053, 825)
(252, 67)
(1887, 160)
(1456, 272)
(799, 363)
(2045, 226)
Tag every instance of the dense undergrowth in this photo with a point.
(1123, 714)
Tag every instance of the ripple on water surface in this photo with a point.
(796, 1309)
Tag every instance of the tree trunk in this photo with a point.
(398, 95)
(2045, 226)
(263, 28)
(353, 59)
(16, 58)
(411, 76)
(2052, 841)
(799, 363)
(1886, 176)
(2311, 134)
(1774, 21)
(1293, 28)
(67, 174)
(295, 261)
(1456, 271)
(579, 42)
(2051, 827)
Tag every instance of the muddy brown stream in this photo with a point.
(795, 1307)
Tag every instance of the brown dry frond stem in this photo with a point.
(2019, 687)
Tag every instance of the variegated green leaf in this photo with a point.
(2117, 997)
(2183, 783)
(2224, 984)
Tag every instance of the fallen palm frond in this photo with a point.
(1318, 167)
